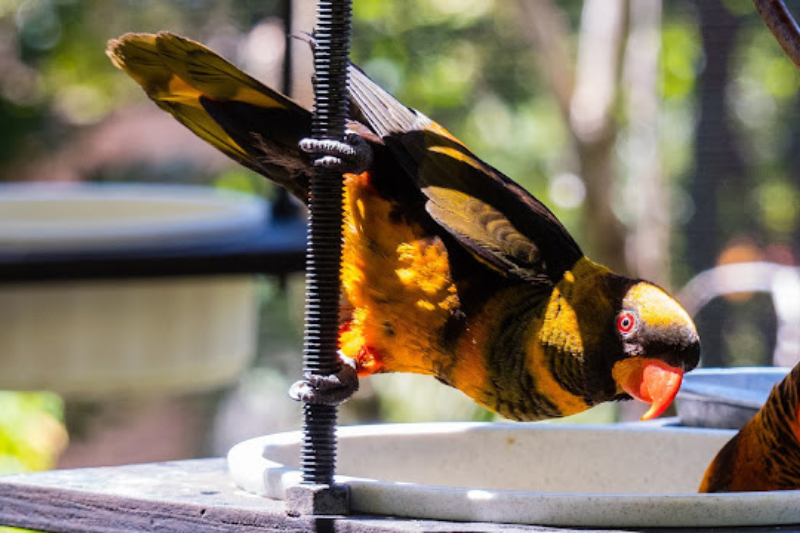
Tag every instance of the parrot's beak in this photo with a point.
(649, 380)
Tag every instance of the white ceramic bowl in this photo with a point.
(546, 474)
(82, 337)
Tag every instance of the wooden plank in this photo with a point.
(176, 497)
(165, 497)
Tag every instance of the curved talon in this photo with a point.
(327, 390)
(352, 156)
(329, 161)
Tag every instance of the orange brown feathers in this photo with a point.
(765, 454)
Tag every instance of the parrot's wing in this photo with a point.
(496, 219)
(254, 125)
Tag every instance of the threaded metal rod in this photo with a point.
(323, 259)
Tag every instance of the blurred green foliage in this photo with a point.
(465, 63)
(468, 65)
(31, 431)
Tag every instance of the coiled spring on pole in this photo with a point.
(323, 285)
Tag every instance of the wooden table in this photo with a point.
(195, 496)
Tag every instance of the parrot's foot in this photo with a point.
(327, 390)
(353, 156)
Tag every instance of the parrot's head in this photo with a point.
(659, 343)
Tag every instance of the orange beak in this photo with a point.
(649, 380)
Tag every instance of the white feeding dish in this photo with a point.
(725, 397)
(545, 474)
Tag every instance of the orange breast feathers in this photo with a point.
(397, 283)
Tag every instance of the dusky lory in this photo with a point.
(449, 267)
(765, 454)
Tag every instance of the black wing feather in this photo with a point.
(494, 218)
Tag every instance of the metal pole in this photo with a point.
(323, 284)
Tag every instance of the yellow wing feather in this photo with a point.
(178, 74)
(140, 56)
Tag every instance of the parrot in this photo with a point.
(449, 268)
(765, 454)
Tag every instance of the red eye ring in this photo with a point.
(626, 323)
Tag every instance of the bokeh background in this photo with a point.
(666, 136)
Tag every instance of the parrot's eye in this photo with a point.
(626, 323)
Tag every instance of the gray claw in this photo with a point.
(327, 390)
(353, 156)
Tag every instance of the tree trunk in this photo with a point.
(587, 96)
(649, 243)
(718, 165)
